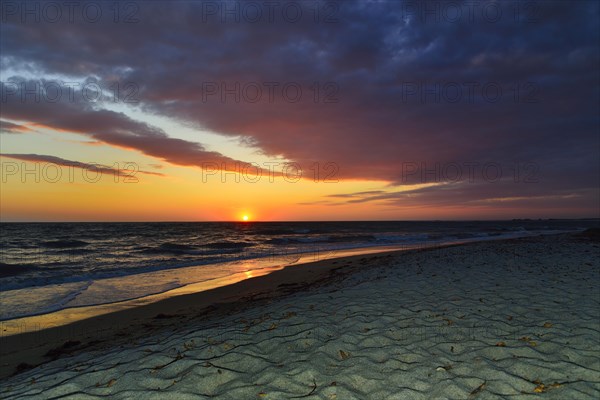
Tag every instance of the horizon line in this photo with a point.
(300, 221)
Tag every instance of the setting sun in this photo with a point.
(245, 218)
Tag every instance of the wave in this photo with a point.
(228, 245)
(64, 243)
(176, 247)
(73, 251)
(205, 249)
(273, 232)
(7, 270)
(322, 239)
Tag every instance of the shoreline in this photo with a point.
(364, 284)
(37, 340)
(263, 266)
(32, 338)
(259, 266)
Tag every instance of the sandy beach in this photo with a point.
(506, 319)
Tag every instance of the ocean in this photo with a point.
(45, 267)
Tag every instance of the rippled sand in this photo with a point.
(510, 319)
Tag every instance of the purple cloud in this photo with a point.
(393, 82)
(97, 168)
(9, 127)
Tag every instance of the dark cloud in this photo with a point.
(96, 168)
(357, 194)
(9, 127)
(498, 195)
(393, 74)
(114, 128)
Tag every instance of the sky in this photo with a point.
(299, 110)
